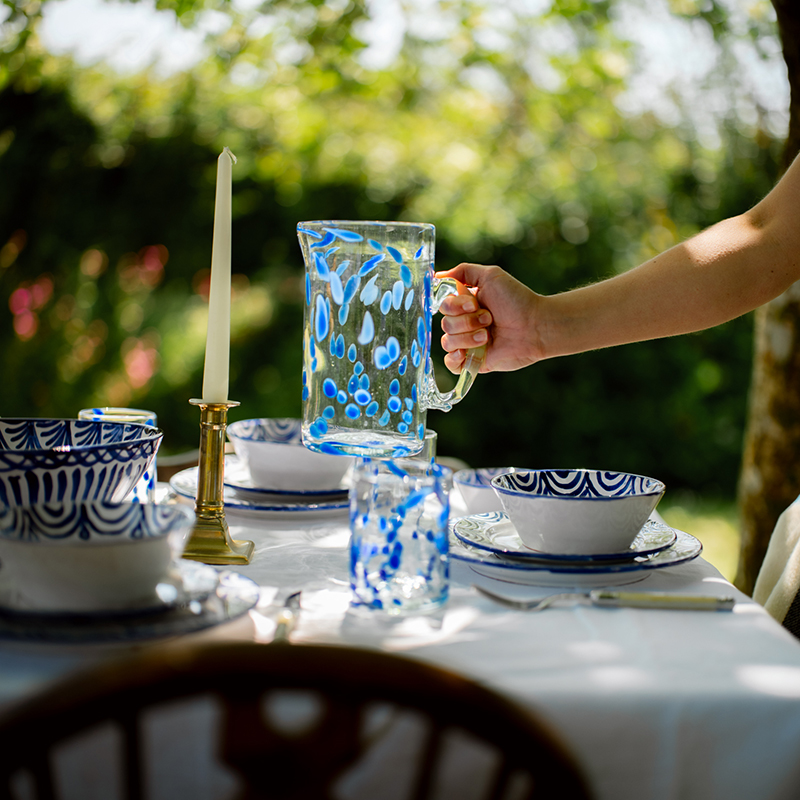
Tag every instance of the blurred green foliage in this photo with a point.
(501, 127)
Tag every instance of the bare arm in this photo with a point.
(723, 272)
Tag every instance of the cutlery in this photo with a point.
(287, 618)
(602, 597)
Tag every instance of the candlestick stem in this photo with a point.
(211, 541)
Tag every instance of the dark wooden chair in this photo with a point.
(366, 708)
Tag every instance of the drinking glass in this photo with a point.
(399, 554)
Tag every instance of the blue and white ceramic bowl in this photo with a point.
(69, 459)
(274, 453)
(570, 511)
(475, 487)
(89, 556)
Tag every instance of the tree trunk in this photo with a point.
(770, 476)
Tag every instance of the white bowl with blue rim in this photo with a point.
(90, 555)
(567, 511)
(475, 487)
(272, 450)
(42, 460)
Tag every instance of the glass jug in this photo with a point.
(367, 375)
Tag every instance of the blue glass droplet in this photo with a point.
(329, 388)
(402, 427)
(409, 403)
(363, 381)
(370, 264)
(403, 366)
(329, 412)
(322, 425)
(351, 354)
(409, 299)
(321, 319)
(394, 387)
(344, 312)
(369, 294)
(308, 289)
(340, 270)
(394, 404)
(384, 420)
(419, 252)
(358, 368)
(342, 396)
(421, 332)
(397, 294)
(375, 245)
(352, 384)
(305, 393)
(323, 269)
(351, 287)
(408, 417)
(362, 397)
(367, 329)
(405, 276)
(337, 290)
(393, 348)
(345, 235)
(381, 357)
(340, 346)
(352, 411)
(372, 409)
(386, 302)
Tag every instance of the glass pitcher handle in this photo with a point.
(443, 287)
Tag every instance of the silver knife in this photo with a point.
(287, 618)
(604, 597)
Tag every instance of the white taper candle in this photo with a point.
(218, 338)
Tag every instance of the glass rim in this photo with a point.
(339, 223)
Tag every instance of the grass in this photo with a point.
(714, 522)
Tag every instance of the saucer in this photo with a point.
(234, 596)
(574, 574)
(494, 531)
(184, 484)
(237, 477)
(189, 582)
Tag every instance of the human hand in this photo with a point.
(498, 310)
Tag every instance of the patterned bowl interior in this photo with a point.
(276, 431)
(577, 484)
(69, 459)
(93, 523)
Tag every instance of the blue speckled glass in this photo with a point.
(369, 297)
(399, 554)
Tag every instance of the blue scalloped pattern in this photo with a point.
(43, 459)
(583, 484)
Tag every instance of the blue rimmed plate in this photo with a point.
(233, 597)
(494, 531)
(184, 484)
(578, 574)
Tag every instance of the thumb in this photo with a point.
(466, 273)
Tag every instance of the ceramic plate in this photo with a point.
(237, 477)
(184, 484)
(581, 575)
(234, 596)
(495, 532)
(190, 582)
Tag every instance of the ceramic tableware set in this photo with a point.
(81, 563)
(580, 528)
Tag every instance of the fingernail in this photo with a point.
(484, 318)
(480, 337)
(469, 304)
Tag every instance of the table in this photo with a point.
(654, 704)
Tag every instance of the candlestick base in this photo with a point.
(211, 541)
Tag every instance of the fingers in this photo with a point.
(455, 361)
(469, 274)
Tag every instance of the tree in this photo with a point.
(770, 476)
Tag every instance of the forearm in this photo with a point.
(722, 273)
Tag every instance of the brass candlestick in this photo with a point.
(211, 540)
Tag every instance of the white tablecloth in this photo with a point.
(654, 704)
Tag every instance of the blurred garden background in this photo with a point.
(565, 140)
